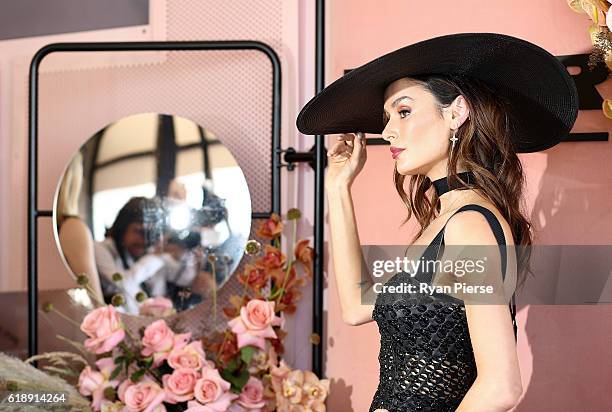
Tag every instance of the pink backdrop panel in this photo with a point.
(565, 351)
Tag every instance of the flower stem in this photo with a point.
(221, 348)
(60, 314)
(214, 291)
(289, 264)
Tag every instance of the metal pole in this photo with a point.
(319, 199)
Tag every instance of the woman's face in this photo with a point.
(416, 126)
(134, 240)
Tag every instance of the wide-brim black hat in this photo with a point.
(541, 92)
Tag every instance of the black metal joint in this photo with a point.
(291, 156)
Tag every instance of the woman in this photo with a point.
(74, 236)
(124, 251)
(454, 106)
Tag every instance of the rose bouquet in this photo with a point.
(238, 370)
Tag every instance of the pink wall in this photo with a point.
(565, 352)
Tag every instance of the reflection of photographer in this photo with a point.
(123, 251)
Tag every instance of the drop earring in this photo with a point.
(454, 139)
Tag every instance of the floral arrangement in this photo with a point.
(601, 36)
(239, 370)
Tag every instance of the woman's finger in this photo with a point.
(346, 138)
(337, 148)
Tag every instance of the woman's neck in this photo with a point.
(450, 199)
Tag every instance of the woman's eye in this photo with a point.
(402, 112)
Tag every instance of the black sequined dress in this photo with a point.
(426, 357)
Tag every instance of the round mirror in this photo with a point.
(152, 214)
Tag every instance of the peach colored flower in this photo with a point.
(159, 341)
(303, 252)
(251, 396)
(291, 386)
(92, 383)
(211, 392)
(144, 396)
(281, 277)
(104, 329)
(315, 391)
(158, 306)
(189, 356)
(270, 228)
(256, 277)
(254, 323)
(180, 384)
(272, 258)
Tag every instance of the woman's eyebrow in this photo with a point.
(396, 101)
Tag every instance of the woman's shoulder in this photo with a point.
(468, 223)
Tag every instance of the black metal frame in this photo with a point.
(34, 213)
(317, 159)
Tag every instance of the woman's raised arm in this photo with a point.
(346, 159)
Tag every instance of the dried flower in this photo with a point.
(315, 338)
(270, 228)
(110, 393)
(117, 300)
(141, 296)
(253, 247)
(294, 214)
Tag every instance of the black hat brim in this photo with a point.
(542, 93)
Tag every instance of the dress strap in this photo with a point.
(501, 241)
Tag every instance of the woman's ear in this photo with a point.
(459, 111)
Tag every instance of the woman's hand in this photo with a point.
(346, 158)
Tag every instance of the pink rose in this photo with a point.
(189, 356)
(251, 397)
(211, 392)
(180, 384)
(104, 329)
(254, 323)
(158, 307)
(144, 396)
(92, 383)
(159, 340)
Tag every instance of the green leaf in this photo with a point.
(227, 375)
(232, 365)
(119, 359)
(242, 379)
(246, 353)
(147, 362)
(137, 375)
(237, 381)
(115, 373)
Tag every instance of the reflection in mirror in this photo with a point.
(153, 213)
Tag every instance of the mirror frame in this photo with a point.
(34, 213)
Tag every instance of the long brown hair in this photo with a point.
(485, 147)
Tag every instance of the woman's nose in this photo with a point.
(387, 135)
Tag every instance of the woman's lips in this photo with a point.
(395, 152)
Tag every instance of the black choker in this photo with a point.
(441, 185)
